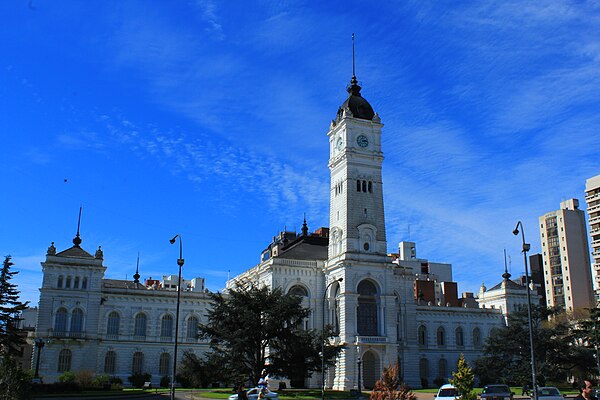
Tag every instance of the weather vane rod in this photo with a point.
(353, 67)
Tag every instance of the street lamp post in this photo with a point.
(323, 338)
(359, 372)
(39, 344)
(526, 248)
(180, 263)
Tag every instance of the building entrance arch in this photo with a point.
(370, 368)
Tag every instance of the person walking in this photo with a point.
(586, 390)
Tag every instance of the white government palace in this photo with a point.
(387, 308)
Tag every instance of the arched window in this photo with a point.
(84, 283)
(367, 309)
(298, 290)
(166, 326)
(424, 368)
(110, 362)
(68, 285)
(137, 364)
(441, 336)
(59, 284)
(370, 187)
(443, 368)
(76, 283)
(64, 360)
(77, 321)
(422, 336)
(460, 339)
(358, 185)
(192, 328)
(476, 337)
(60, 321)
(164, 364)
(364, 186)
(140, 325)
(112, 327)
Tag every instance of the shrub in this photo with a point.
(84, 378)
(15, 383)
(67, 377)
(115, 380)
(165, 381)
(137, 380)
(389, 386)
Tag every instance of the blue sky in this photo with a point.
(209, 119)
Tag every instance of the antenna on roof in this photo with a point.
(77, 240)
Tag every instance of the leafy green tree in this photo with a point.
(10, 311)
(252, 328)
(587, 330)
(508, 357)
(464, 379)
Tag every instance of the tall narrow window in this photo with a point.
(110, 362)
(112, 327)
(68, 285)
(476, 337)
(59, 284)
(140, 325)
(64, 360)
(60, 321)
(443, 368)
(84, 283)
(166, 326)
(77, 322)
(441, 337)
(460, 340)
(358, 186)
(76, 283)
(422, 336)
(424, 368)
(367, 309)
(370, 187)
(137, 364)
(364, 186)
(192, 328)
(164, 364)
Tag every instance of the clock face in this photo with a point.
(362, 141)
(340, 144)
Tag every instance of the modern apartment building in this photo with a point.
(592, 198)
(565, 251)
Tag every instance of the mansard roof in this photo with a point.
(306, 248)
(510, 284)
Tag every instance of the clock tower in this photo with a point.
(356, 218)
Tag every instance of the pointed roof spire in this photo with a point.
(304, 227)
(353, 87)
(136, 276)
(77, 239)
(505, 275)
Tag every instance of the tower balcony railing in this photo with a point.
(65, 334)
(590, 197)
(371, 339)
(593, 209)
(594, 220)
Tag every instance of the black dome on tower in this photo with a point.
(358, 105)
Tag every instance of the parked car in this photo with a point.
(549, 393)
(447, 392)
(496, 392)
(253, 395)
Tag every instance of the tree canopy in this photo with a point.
(252, 328)
(558, 354)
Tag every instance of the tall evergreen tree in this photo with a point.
(10, 310)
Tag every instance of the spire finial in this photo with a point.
(304, 227)
(353, 66)
(505, 275)
(353, 88)
(136, 276)
(77, 240)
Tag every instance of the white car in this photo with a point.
(549, 393)
(253, 395)
(447, 392)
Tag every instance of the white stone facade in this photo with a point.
(344, 271)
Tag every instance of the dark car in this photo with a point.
(496, 392)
